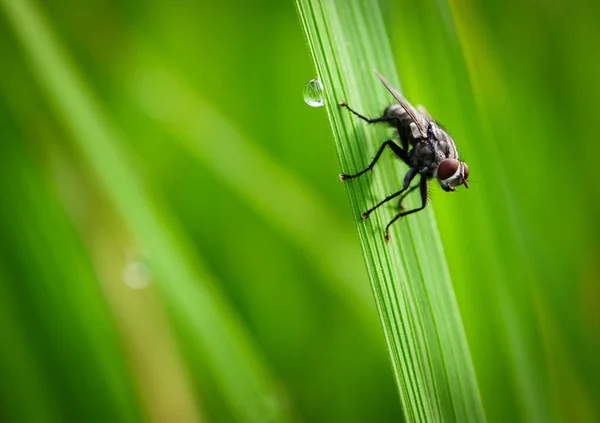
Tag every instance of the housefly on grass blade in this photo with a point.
(426, 148)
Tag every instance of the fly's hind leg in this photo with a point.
(363, 117)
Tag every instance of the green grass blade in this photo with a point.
(274, 192)
(218, 335)
(409, 276)
(54, 317)
(20, 368)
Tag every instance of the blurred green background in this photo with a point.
(106, 302)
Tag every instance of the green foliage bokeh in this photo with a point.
(515, 83)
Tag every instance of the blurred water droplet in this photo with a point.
(313, 93)
(136, 275)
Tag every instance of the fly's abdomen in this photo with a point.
(396, 111)
(404, 124)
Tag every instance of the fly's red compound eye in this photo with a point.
(447, 168)
(465, 171)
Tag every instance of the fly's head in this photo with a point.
(451, 173)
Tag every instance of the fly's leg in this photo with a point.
(400, 205)
(407, 180)
(424, 185)
(403, 133)
(375, 120)
(399, 151)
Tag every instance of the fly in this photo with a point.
(426, 148)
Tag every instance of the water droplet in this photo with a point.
(313, 93)
(136, 275)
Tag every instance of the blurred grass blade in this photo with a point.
(54, 318)
(237, 367)
(20, 368)
(409, 276)
(275, 193)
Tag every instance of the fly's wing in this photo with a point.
(429, 119)
(424, 112)
(416, 117)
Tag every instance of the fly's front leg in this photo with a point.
(424, 185)
(400, 205)
(399, 151)
(407, 180)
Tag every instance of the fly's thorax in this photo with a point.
(442, 142)
(429, 152)
(423, 155)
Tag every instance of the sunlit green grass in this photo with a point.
(410, 279)
(175, 134)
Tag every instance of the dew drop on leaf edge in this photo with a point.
(313, 93)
